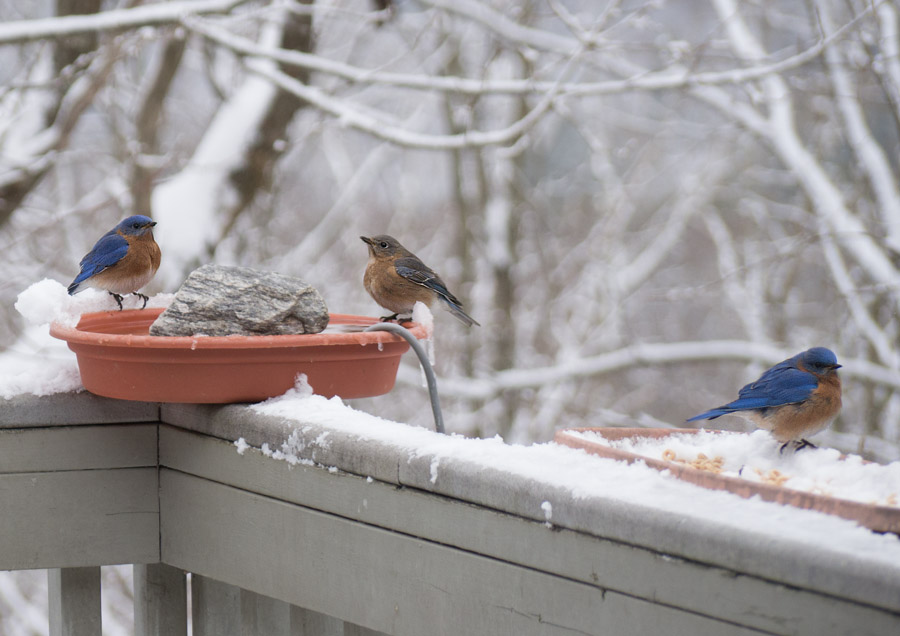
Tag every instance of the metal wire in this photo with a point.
(426, 367)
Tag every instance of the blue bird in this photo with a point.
(396, 279)
(122, 261)
(796, 398)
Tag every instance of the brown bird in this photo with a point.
(397, 279)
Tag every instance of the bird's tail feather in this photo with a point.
(457, 311)
(710, 415)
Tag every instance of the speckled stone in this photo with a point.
(223, 301)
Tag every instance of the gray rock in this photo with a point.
(225, 301)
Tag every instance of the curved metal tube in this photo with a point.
(426, 367)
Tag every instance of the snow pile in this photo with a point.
(756, 457)
(40, 364)
(422, 315)
(586, 476)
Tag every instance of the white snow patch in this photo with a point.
(547, 507)
(242, 445)
(48, 301)
(435, 463)
(756, 457)
(39, 364)
(422, 315)
(556, 467)
(322, 440)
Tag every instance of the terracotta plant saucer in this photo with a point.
(875, 517)
(118, 358)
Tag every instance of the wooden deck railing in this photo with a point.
(364, 541)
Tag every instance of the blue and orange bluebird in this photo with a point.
(793, 399)
(122, 261)
(397, 279)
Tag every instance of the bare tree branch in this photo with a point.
(642, 355)
(163, 13)
(671, 78)
(869, 153)
(377, 126)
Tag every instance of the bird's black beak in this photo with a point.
(366, 240)
(151, 224)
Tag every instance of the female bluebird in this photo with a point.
(122, 261)
(397, 279)
(793, 399)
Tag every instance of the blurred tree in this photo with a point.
(616, 190)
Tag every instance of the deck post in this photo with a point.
(264, 615)
(74, 601)
(306, 622)
(215, 607)
(160, 600)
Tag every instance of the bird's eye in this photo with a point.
(383, 245)
(136, 225)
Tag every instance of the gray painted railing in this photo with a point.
(374, 544)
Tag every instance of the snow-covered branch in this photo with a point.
(642, 355)
(782, 134)
(159, 14)
(380, 127)
(668, 79)
(870, 155)
(747, 303)
(890, 58)
(868, 327)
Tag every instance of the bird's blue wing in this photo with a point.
(108, 251)
(786, 385)
(780, 385)
(776, 387)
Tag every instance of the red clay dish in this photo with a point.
(875, 517)
(118, 358)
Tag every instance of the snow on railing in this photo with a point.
(301, 515)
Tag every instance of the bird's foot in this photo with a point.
(396, 318)
(144, 296)
(118, 299)
(796, 445)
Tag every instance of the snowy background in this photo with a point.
(643, 204)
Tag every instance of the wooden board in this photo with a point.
(77, 447)
(707, 590)
(384, 580)
(78, 518)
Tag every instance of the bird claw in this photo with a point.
(797, 445)
(118, 299)
(396, 318)
(144, 296)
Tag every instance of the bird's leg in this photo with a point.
(797, 445)
(144, 296)
(389, 318)
(118, 299)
